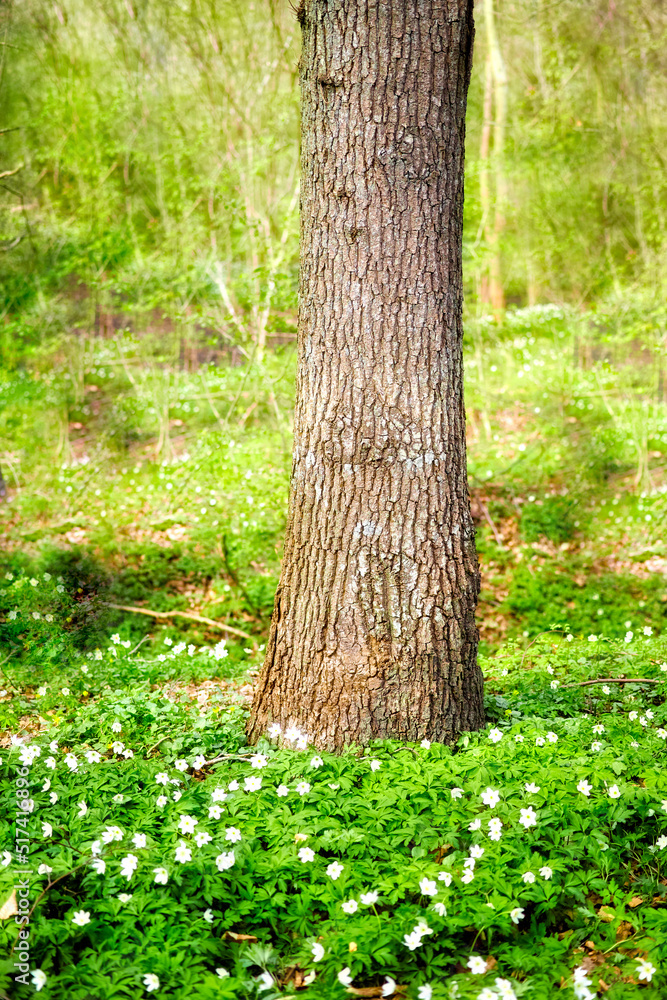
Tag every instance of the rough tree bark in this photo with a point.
(373, 632)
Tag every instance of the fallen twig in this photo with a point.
(145, 638)
(161, 740)
(227, 756)
(10, 173)
(181, 614)
(614, 680)
(487, 517)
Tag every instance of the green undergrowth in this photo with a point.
(166, 856)
(147, 480)
(61, 658)
(611, 604)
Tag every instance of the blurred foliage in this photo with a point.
(156, 154)
(149, 153)
(584, 152)
(553, 519)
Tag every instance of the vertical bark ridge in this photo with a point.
(373, 632)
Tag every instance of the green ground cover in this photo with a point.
(572, 559)
(164, 484)
(148, 275)
(166, 855)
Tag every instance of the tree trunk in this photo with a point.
(484, 185)
(494, 231)
(373, 632)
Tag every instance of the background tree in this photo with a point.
(373, 631)
(491, 162)
(164, 173)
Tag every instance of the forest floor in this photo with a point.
(139, 481)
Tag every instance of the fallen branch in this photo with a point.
(182, 614)
(487, 517)
(145, 639)
(227, 756)
(10, 173)
(156, 745)
(615, 680)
